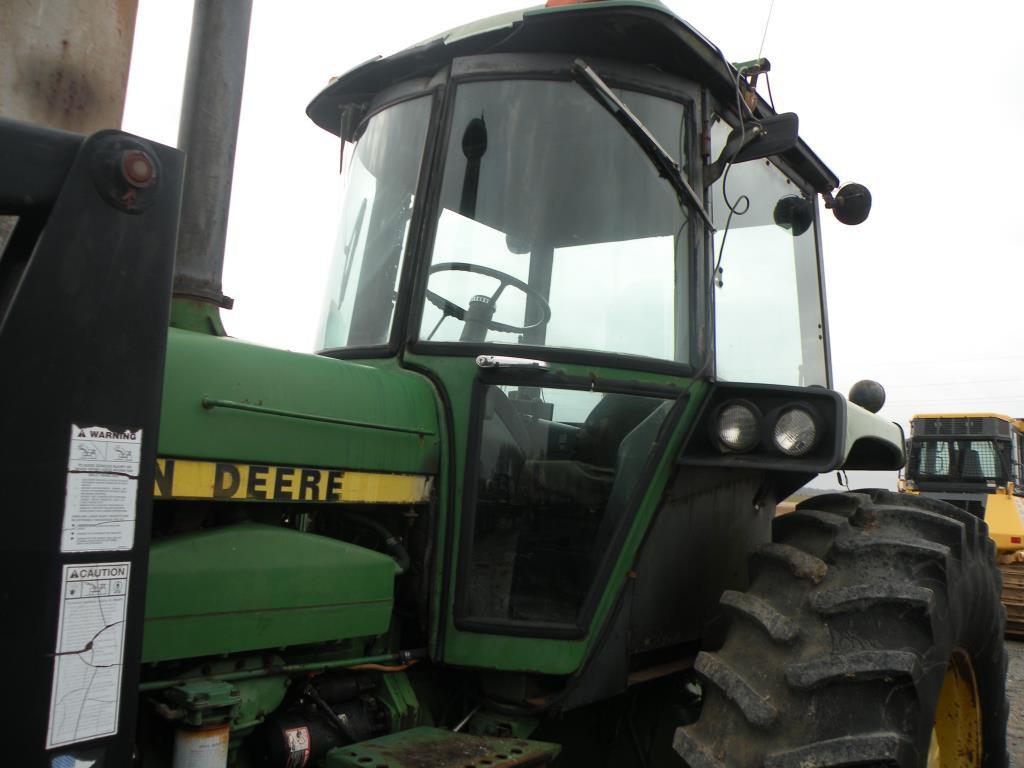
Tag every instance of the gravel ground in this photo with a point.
(1015, 690)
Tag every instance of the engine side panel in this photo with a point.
(249, 586)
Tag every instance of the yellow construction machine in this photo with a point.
(974, 461)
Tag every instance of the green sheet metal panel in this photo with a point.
(318, 393)
(249, 586)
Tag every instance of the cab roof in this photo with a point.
(640, 32)
(979, 415)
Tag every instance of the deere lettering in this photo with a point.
(256, 487)
(163, 480)
(226, 481)
(231, 481)
(309, 484)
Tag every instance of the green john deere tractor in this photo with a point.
(520, 508)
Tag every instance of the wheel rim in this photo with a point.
(956, 735)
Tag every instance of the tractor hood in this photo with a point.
(227, 400)
(635, 31)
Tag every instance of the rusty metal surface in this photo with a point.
(1013, 598)
(1015, 692)
(438, 748)
(64, 63)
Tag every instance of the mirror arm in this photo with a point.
(713, 171)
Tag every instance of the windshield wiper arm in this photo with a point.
(662, 160)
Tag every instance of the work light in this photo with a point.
(794, 432)
(738, 426)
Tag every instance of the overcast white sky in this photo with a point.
(920, 101)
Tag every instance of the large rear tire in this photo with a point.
(872, 633)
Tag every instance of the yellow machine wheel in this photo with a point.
(956, 736)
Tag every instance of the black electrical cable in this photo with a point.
(734, 209)
(743, 200)
(338, 721)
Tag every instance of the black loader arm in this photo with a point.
(85, 284)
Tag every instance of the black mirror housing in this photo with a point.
(777, 134)
(852, 204)
(868, 394)
(756, 139)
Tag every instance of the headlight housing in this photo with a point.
(795, 431)
(737, 426)
(809, 442)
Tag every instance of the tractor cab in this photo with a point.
(572, 220)
(498, 206)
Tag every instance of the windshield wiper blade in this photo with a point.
(662, 160)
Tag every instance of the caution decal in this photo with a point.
(230, 481)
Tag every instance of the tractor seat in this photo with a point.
(972, 465)
(608, 424)
(630, 458)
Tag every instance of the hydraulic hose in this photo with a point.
(391, 543)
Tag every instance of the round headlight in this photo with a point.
(795, 432)
(738, 427)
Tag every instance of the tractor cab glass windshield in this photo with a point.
(382, 177)
(959, 461)
(769, 325)
(555, 230)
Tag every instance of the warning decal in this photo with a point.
(297, 741)
(187, 479)
(86, 691)
(102, 482)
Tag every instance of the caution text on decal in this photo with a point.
(85, 697)
(231, 481)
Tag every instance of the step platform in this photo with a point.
(426, 747)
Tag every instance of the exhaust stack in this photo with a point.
(208, 133)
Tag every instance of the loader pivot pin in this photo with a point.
(137, 168)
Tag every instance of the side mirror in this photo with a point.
(761, 138)
(852, 204)
(868, 394)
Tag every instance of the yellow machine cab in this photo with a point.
(971, 460)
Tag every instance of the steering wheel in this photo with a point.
(504, 279)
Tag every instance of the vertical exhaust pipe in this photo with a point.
(207, 133)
